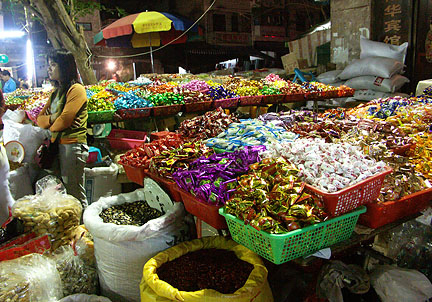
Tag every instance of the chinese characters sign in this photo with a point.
(392, 21)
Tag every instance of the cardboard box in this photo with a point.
(291, 61)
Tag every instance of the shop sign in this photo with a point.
(391, 24)
(232, 38)
(4, 58)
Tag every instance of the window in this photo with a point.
(86, 26)
(234, 23)
(219, 23)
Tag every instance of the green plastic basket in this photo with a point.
(100, 116)
(281, 248)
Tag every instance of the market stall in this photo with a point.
(282, 186)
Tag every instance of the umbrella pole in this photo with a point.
(151, 59)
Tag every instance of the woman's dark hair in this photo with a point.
(67, 67)
(5, 73)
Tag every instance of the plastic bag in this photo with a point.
(372, 66)
(84, 298)
(20, 183)
(398, 284)
(29, 136)
(256, 288)
(75, 274)
(370, 48)
(51, 212)
(378, 84)
(30, 278)
(122, 250)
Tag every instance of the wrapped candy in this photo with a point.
(208, 125)
(271, 198)
(212, 179)
(169, 161)
(328, 166)
(249, 133)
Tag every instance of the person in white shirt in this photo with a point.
(6, 199)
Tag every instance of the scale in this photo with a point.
(101, 130)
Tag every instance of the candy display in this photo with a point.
(129, 100)
(216, 269)
(136, 213)
(212, 179)
(101, 101)
(421, 155)
(219, 92)
(170, 161)
(140, 156)
(249, 133)
(271, 198)
(327, 166)
(196, 85)
(208, 125)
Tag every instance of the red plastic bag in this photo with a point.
(37, 245)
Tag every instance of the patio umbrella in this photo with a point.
(146, 29)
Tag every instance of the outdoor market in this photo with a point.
(302, 178)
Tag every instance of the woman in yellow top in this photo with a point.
(65, 115)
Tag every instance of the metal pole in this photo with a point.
(151, 57)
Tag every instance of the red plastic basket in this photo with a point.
(226, 103)
(198, 106)
(168, 185)
(250, 100)
(273, 99)
(206, 212)
(127, 114)
(166, 110)
(126, 139)
(134, 174)
(352, 197)
(294, 97)
(379, 214)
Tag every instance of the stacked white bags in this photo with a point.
(377, 71)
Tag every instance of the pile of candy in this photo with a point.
(212, 179)
(327, 166)
(250, 133)
(140, 156)
(170, 161)
(208, 125)
(271, 198)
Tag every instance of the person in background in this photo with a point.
(65, 115)
(2, 104)
(9, 85)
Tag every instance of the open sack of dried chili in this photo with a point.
(212, 179)
(191, 278)
(169, 161)
(271, 198)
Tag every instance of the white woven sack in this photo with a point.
(377, 83)
(370, 48)
(121, 251)
(329, 77)
(373, 66)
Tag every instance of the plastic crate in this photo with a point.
(346, 92)
(126, 139)
(379, 214)
(273, 99)
(198, 106)
(252, 100)
(226, 103)
(128, 114)
(351, 197)
(100, 116)
(206, 212)
(168, 185)
(134, 174)
(166, 110)
(281, 248)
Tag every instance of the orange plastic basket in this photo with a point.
(134, 174)
(206, 212)
(379, 214)
(168, 185)
(352, 197)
